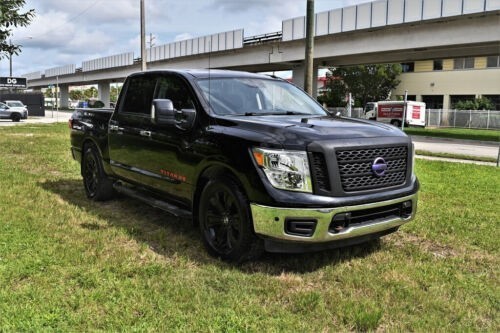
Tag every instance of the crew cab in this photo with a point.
(251, 159)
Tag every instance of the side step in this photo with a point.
(147, 198)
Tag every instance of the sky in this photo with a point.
(66, 32)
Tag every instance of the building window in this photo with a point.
(438, 65)
(433, 101)
(495, 99)
(454, 99)
(407, 67)
(493, 61)
(463, 63)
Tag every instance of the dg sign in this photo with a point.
(13, 82)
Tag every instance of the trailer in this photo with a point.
(392, 112)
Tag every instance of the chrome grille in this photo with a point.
(355, 167)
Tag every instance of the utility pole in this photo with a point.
(143, 38)
(309, 57)
(151, 41)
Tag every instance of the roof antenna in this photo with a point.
(209, 68)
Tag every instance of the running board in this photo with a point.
(146, 198)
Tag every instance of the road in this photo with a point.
(50, 117)
(453, 146)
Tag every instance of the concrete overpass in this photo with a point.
(376, 32)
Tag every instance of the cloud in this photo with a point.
(183, 36)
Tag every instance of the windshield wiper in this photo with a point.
(286, 113)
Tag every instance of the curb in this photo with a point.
(454, 160)
(452, 140)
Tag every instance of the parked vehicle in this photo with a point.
(392, 112)
(18, 106)
(254, 161)
(91, 103)
(7, 113)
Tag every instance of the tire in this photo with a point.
(16, 117)
(98, 186)
(225, 222)
(396, 123)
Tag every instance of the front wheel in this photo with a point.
(16, 117)
(226, 223)
(97, 185)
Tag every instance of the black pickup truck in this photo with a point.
(251, 159)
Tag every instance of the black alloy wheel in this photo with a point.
(225, 221)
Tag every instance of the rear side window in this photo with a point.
(139, 95)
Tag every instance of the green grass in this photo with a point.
(456, 133)
(67, 264)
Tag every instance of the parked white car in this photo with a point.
(18, 106)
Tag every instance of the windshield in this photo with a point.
(15, 104)
(255, 96)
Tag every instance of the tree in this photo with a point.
(76, 95)
(9, 18)
(49, 93)
(114, 93)
(366, 83)
(482, 103)
(90, 93)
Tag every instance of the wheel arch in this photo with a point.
(87, 143)
(212, 172)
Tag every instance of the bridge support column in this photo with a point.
(63, 96)
(298, 77)
(103, 93)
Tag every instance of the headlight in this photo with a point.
(286, 170)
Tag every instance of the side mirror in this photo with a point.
(163, 112)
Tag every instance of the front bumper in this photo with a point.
(316, 226)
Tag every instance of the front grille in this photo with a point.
(355, 168)
(320, 172)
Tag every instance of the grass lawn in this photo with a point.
(68, 264)
(456, 133)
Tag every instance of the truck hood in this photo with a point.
(300, 131)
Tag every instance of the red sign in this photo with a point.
(390, 111)
(416, 112)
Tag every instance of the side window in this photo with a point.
(172, 88)
(139, 95)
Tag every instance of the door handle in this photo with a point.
(115, 128)
(145, 133)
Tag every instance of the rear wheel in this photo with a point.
(97, 185)
(225, 222)
(396, 123)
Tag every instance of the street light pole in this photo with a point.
(11, 53)
(143, 38)
(10, 58)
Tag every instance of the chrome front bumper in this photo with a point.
(269, 222)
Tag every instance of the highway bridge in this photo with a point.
(380, 31)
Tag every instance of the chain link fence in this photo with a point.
(463, 118)
(478, 119)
